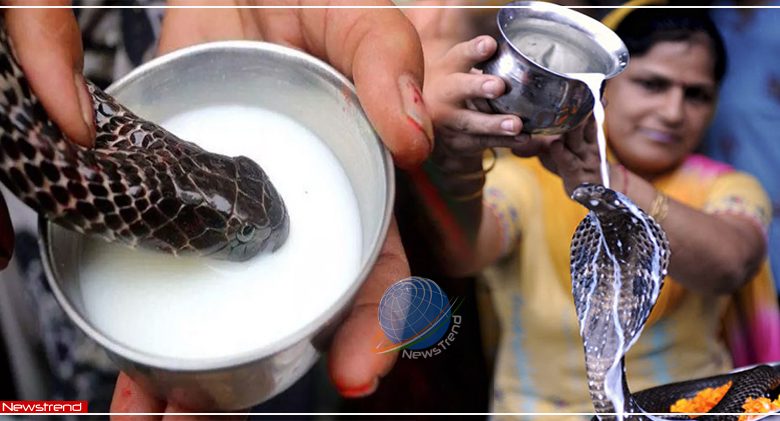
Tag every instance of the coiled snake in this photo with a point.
(619, 258)
(140, 185)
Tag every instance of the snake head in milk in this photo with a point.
(140, 185)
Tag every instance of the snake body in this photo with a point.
(619, 258)
(140, 185)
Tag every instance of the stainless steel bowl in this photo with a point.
(282, 80)
(540, 43)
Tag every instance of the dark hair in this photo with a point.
(641, 29)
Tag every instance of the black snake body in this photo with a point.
(140, 185)
(619, 258)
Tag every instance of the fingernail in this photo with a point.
(508, 126)
(490, 88)
(482, 47)
(85, 102)
(359, 392)
(412, 100)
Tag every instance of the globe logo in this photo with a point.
(414, 313)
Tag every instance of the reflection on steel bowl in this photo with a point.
(540, 44)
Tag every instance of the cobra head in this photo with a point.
(598, 198)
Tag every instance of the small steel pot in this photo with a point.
(540, 43)
(282, 80)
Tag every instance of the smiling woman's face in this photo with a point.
(659, 108)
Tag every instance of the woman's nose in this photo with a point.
(672, 108)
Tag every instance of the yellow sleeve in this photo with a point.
(509, 195)
(739, 193)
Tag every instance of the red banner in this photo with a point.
(43, 407)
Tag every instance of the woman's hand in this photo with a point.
(574, 156)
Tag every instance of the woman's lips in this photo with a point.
(659, 135)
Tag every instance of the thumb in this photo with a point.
(381, 51)
(47, 43)
(355, 366)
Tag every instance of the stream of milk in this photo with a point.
(594, 81)
(197, 308)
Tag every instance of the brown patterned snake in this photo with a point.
(140, 185)
(619, 258)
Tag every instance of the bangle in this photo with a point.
(660, 207)
(467, 197)
(492, 164)
(474, 175)
(479, 175)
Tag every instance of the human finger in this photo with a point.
(574, 140)
(477, 123)
(565, 161)
(130, 397)
(479, 104)
(183, 27)
(520, 142)
(462, 57)
(47, 44)
(469, 145)
(528, 146)
(459, 87)
(572, 169)
(354, 364)
(380, 50)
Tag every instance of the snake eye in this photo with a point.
(246, 234)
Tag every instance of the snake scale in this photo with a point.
(140, 185)
(619, 258)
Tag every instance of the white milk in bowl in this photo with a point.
(200, 308)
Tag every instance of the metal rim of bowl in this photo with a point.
(324, 70)
(582, 22)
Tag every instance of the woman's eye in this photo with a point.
(651, 85)
(699, 95)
